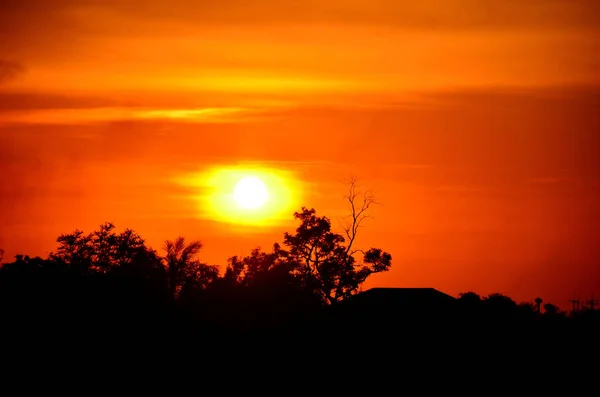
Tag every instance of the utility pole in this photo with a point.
(592, 302)
(575, 303)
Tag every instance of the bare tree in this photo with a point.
(324, 260)
(359, 203)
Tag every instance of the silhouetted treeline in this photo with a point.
(105, 276)
(108, 284)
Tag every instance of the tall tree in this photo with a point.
(327, 262)
(183, 267)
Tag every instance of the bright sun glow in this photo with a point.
(250, 193)
(252, 196)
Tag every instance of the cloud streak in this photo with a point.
(430, 14)
(305, 48)
(112, 114)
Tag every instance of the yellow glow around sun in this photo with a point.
(252, 196)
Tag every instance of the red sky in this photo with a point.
(475, 121)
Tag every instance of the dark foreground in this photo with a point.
(348, 349)
(375, 323)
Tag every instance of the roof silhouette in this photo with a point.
(383, 304)
(403, 296)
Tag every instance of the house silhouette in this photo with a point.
(403, 298)
(394, 309)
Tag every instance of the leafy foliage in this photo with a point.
(183, 267)
(314, 259)
(323, 261)
(104, 250)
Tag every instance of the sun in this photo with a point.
(250, 193)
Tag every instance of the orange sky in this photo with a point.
(476, 122)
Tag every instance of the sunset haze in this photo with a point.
(476, 123)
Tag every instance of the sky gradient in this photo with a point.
(476, 122)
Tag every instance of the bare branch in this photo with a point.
(351, 253)
(359, 205)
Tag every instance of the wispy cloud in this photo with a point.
(205, 114)
(110, 114)
(488, 14)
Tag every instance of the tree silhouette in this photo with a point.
(24, 265)
(323, 261)
(102, 278)
(102, 250)
(114, 284)
(358, 212)
(538, 304)
(256, 267)
(184, 269)
(551, 310)
(315, 258)
(470, 298)
(265, 288)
